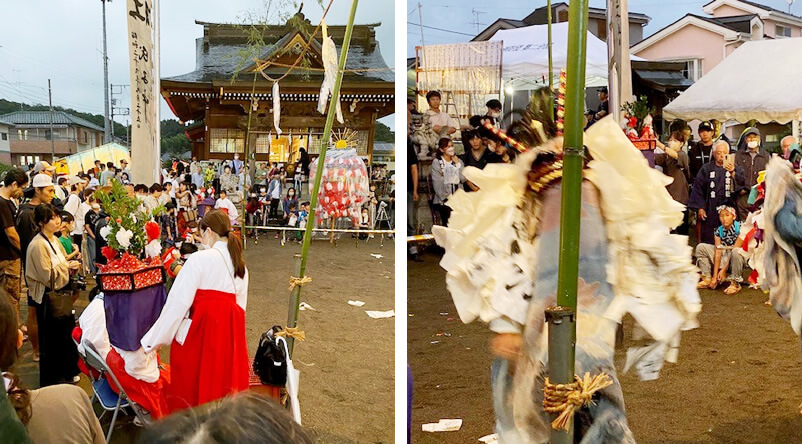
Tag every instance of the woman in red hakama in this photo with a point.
(204, 320)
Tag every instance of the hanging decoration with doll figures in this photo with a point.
(131, 280)
(639, 128)
(345, 184)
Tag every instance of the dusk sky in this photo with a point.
(63, 40)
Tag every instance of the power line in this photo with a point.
(441, 29)
(44, 64)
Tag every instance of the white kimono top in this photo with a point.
(93, 327)
(202, 271)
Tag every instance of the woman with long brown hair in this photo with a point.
(203, 320)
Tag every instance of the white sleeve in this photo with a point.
(179, 301)
(72, 205)
(242, 290)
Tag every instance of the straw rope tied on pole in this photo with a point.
(565, 399)
(295, 296)
(562, 318)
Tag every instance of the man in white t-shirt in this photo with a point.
(441, 122)
(74, 207)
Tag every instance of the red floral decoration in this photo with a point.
(152, 230)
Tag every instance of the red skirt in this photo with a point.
(151, 396)
(213, 362)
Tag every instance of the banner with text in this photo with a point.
(144, 96)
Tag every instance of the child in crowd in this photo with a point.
(175, 266)
(168, 224)
(67, 225)
(225, 204)
(264, 201)
(715, 260)
(364, 222)
(303, 216)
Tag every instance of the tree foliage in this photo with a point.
(384, 133)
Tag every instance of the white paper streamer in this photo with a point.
(276, 108)
(330, 75)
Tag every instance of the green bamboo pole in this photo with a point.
(563, 340)
(551, 63)
(246, 162)
(295, 296)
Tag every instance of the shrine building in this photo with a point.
(217, 95)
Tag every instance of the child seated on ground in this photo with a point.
(364, 222)
(715, 260)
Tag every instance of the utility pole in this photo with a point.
(52, 136)
(107, 120)
(420, 20)
(117, 110)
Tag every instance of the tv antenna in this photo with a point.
(475, 21)
(790, 2)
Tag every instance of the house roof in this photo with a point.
(216, 56)
(738, 23)
(43, 118)
(501, 23)
(383, 147)
(763, 7)
(592, 12)
(728, 29)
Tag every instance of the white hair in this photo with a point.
(721, 142)
(793, 139)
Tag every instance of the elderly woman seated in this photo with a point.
(143, 377)
(715, 261)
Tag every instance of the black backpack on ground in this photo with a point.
(270, 361)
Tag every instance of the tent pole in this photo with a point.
(295, 296)
(562, 335)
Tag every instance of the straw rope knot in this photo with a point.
(292, 332)
(297, 282)
(566, 399)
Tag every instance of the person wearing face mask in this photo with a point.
(752, 159)
(494, 111)
(203, 320)
(290, 201)
(446, 177)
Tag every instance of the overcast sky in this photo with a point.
(63, 40)
(457, 16)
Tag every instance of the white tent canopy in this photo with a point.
(526, 56)
(760, 80)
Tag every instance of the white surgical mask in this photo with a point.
(752, 144)
(205, 242)
(450, 151)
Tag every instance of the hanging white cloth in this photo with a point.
(276, 108)
(330, 75)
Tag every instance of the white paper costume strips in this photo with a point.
(502, 250)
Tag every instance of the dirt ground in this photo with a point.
(347, 361)
(737, 379)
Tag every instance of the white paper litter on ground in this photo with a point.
(380, 314)
(356, 303)
(444, 425)
(377, 256)
(304, 306)
(489, 439)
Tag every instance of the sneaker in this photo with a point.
(733, 289)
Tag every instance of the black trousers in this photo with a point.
(58, 356)
(444, 211)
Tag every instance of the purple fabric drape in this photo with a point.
(130, 314)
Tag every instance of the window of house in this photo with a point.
(693, 69)
(4, 136)
(262, 143)
(226, 140)
(86, 137)
(25, 134)
(602, 31)
(782, 31)
(47, 134)
(562, 16)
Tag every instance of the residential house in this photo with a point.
(701, 42)
(30, 139)
(5, 145)
(597, 22)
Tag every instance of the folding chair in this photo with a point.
(102, 389)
